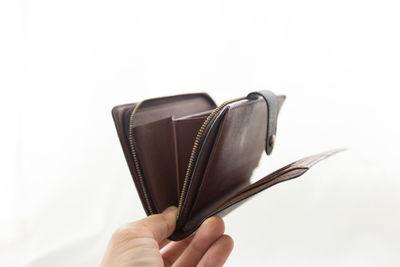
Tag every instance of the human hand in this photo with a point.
(139, 244)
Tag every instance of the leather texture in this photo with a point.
(190, 153)
(273, 103)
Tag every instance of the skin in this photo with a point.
(144, 243)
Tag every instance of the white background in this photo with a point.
(64, 183)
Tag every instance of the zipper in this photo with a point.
(192, 158)
(193, 154)
(136, 160)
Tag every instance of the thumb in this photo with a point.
(160, 225)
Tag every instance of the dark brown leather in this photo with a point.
(273, 104)
(227, 151)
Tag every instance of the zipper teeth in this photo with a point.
(195, 148)
(136, 160)
(191, 159)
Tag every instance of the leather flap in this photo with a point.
(274, 104)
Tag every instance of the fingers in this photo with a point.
(211, 230)
(161, 225)
(157, 227)
(174, 250)
(218, 253)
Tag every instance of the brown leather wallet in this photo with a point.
(186, 151)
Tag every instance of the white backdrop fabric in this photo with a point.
(64, 183)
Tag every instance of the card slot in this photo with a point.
(186, 130)
(289, 172)
(156, 151)
(234, 202)
(261, 185)
(286, 173)
(164, 148)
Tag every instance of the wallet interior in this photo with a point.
(164, 147)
